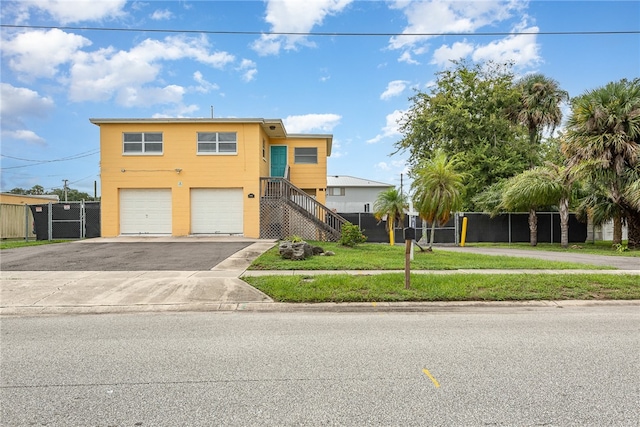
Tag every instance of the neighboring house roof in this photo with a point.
(352, 181)
(272, 127)
(29, 199)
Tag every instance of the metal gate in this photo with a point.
(67, 220)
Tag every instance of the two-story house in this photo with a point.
(245, 177)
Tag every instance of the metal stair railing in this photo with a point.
(276, 193)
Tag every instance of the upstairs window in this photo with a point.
(335, 191)
(142, 143)
(217, 143)
(305, 155)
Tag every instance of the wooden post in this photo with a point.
(407, 264)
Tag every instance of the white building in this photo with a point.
(348, 194)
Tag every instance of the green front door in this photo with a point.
(278, 160)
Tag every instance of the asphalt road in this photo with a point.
(572, 366)
(120, 256)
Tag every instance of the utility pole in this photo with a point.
(66, 188)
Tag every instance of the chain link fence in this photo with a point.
(66, 220)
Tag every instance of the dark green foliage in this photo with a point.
(351, 235)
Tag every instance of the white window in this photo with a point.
(305, 155)
(335, 191)
(142, 143)
(217, 143)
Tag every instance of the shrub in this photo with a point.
(351, 235)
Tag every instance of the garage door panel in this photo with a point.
(145, 211)
(217, 211)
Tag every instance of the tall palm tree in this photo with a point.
(390, 204)
(540, 102)
(437, 189)
(604, 129)
(530, 190)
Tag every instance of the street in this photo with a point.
(465, 366)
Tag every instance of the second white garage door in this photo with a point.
(217, 211)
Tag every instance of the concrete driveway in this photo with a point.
(129, 274)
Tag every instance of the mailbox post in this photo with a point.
(409, 237)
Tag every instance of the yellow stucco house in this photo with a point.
(245, 177)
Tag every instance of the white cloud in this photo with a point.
(19, 103)
(391, 127)
(445, 54)
(394, 88)
(433, 17)
(99, 75)
(65, 11)
(40, 53)
(27, 136)
(294, 16)
(161, 15)
(523, 50)
(248, 67)
(383, 166)
(406, 57)
(203, 85)
(177, 111)
(146, 96)
(310, 122)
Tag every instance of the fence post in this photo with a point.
(509, 227)
(83, 220)
(26, 223)
(50, 221)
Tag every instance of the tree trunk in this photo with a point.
(633, 223)
(564, 222)
(392, 237)
(617, 231)
(533, 228)
(433, 234)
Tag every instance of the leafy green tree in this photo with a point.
(73, 195)
(18, 190)
(390, 204)
(468, 112)
(540, 101)
(437, 189)
(604, 131)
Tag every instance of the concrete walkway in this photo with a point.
(218, 289)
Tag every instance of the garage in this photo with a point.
(145, 211)
(217, 211)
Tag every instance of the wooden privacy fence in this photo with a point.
(16, 222)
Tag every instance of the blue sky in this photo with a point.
(355, 87)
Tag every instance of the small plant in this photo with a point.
(351, 235)
(294, 239)
(620, 247)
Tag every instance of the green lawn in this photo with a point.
(376, 256)
(11, 244)
(595, 248)
(389, 287)
(450, 287)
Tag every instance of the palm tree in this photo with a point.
(539, 109)
(604, 129)
(437, 189)
(530, 190)
(390, 204)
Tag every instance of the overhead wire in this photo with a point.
(323, 34)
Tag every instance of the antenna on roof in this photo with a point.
(212, 111)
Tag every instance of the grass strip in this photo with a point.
(12, 244)
(450, 287)
(372, 256)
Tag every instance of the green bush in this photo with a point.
(351, 235)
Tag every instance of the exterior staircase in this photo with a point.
(286, 210)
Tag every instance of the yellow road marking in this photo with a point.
(431, 377)
(375, 304)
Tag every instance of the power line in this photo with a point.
(323, 34)
(39, 162)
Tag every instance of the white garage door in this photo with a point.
(145, 211)
(216, 211)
